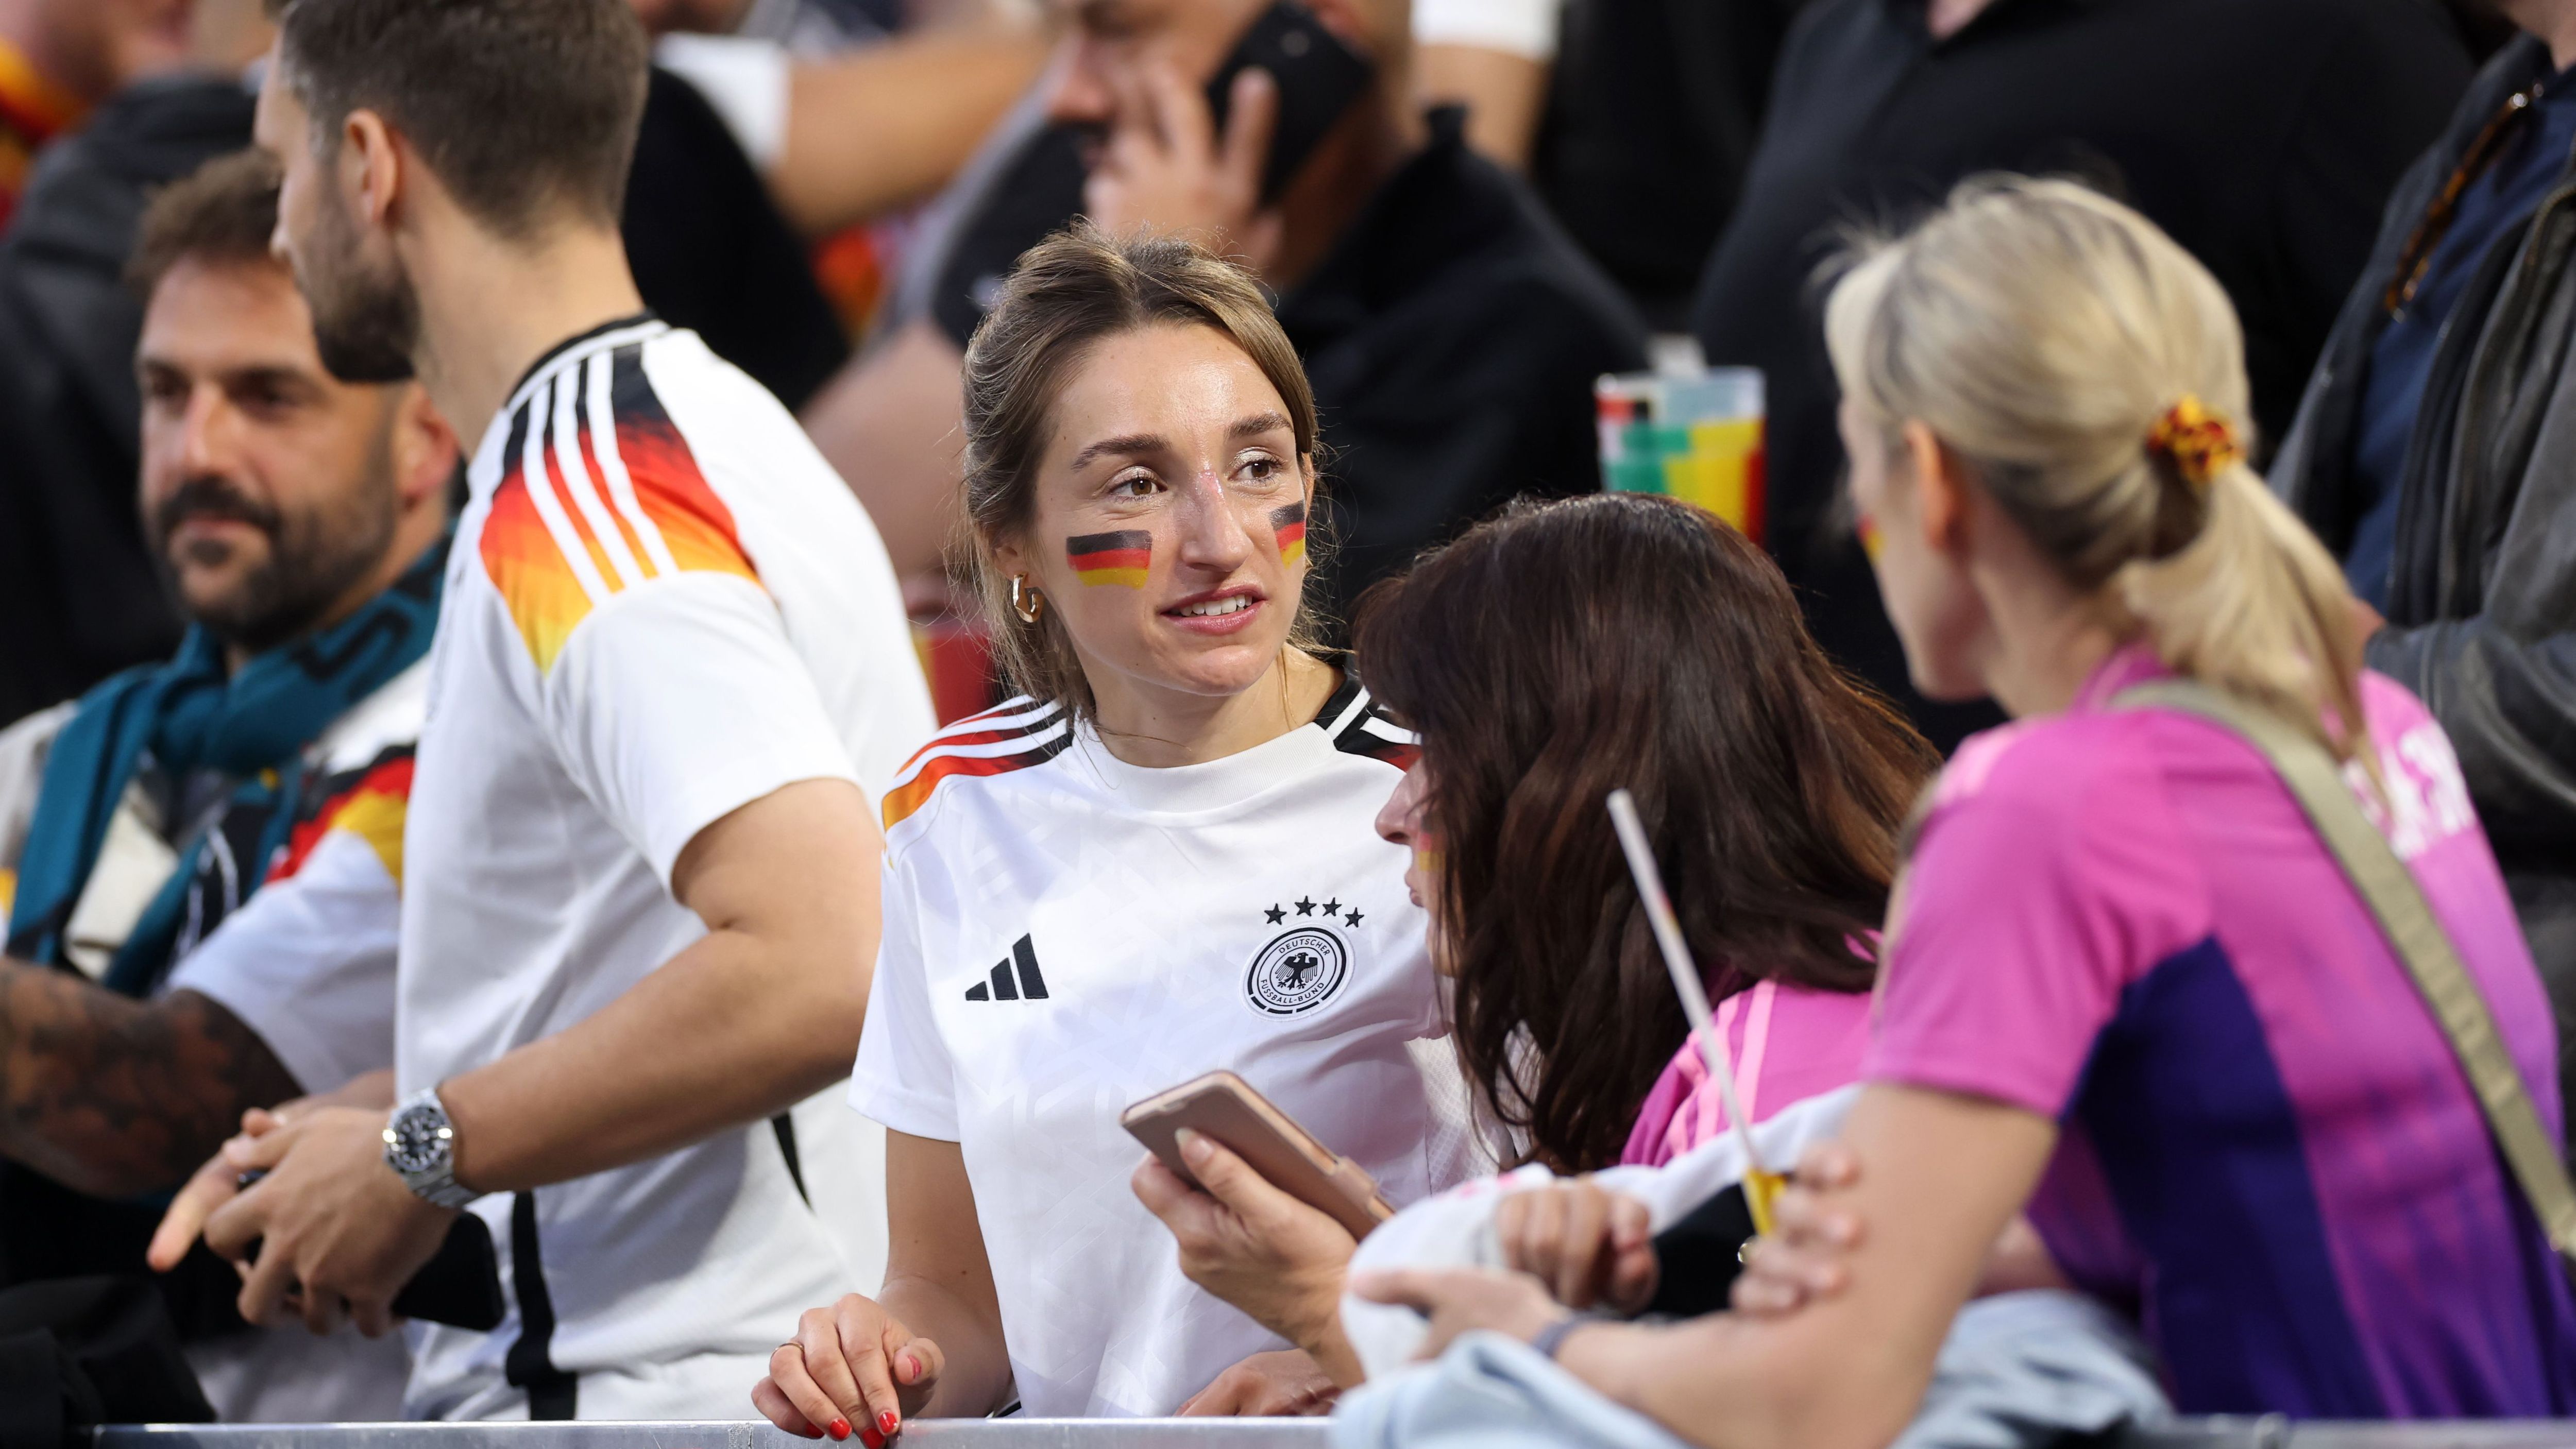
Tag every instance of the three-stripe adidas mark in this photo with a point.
(1002, 988)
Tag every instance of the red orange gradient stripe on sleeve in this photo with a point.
(603, 494)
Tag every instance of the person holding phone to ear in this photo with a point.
(1451, 327)
(1156, 862)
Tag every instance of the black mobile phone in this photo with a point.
(1319, 79)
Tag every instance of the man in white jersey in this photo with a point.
(643, 878)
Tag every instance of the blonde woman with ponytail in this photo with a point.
(2129, 995)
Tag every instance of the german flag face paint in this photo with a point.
(1870, 542)
(1122, 558)
(1288, 525)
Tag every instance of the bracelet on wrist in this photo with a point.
(1551, 1338)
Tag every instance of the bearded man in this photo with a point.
(200, 859)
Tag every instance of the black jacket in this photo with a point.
(2482, 603)
(2262, 135)
(78, 591)
(1452, 335)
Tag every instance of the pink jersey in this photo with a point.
(2121, 920)
(1787, 1043)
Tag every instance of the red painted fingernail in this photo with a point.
(869, 1438)
(887, 1423)
(911, 1367)
(840, 1428)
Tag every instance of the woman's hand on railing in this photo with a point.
(850, 1366)
(1285, 1384)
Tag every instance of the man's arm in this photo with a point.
(115, 1096)
(761, 1013)
(922, 103)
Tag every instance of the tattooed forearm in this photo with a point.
(116, 1096)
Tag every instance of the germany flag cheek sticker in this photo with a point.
(1123, 558)
(1288, 526)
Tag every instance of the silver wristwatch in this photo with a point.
(420, 1146)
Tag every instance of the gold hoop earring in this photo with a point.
(1026, 601)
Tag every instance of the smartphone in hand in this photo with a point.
(1223, 1106)
(1319, 79)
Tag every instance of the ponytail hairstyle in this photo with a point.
(2090, 374)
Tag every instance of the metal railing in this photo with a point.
(2264, 1433)
(1013, 1433)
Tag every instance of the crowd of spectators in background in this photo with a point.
(241, 425)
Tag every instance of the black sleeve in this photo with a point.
(2378, 93)
(1036, 195)
(712, 254)
(1698, 1259)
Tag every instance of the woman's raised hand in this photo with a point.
(850, 1365)
(1590, 1246)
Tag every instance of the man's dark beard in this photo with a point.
(314, 558)
(365, 326)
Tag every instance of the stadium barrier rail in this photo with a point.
(2244, 1433)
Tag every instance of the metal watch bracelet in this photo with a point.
(420, 1147)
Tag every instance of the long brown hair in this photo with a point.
(1559, 652)
(1068, 294)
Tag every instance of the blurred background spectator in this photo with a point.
(1494, 57)
(711, 247)
(81, 595)
(2263, 135)
(162, 978)
(2435, 455)
(59, 58)
(1650, 121)
(1451, 327)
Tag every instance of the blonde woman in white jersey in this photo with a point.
(1158, 863)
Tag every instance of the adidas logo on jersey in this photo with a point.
(1028, 985)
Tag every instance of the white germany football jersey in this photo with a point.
(662, 605)
(1066, 934)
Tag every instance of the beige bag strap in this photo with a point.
(2398, 902)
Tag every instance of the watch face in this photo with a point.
(417, 1140)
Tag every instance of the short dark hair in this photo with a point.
(522, 107)
(224, 212)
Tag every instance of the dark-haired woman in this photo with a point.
(1567, 650)
(1156, 864)
(1547, 658)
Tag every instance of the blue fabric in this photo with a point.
(2494, 211)
(2017, 1371)
(2187, 1112)
(186, 716)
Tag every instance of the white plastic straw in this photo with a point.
(1668, 935)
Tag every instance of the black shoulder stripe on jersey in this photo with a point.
(1364, 727)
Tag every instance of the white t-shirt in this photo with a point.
(662, 605)
(1066, 934)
